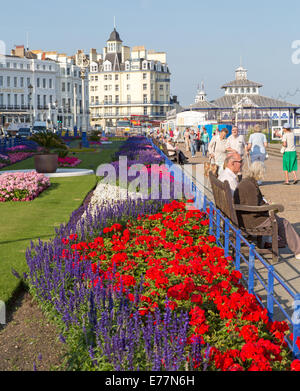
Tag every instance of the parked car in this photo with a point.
(24, 132)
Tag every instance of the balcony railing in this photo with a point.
(14, 107)
(127, 103)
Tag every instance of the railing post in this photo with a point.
(211, 218)
(218, 226)
(251, 269)
(238, 250)
(270, 293)
(226, 241)
(296, 325)
(204, 203)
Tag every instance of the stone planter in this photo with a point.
(46, 164)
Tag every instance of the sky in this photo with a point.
(204, 40)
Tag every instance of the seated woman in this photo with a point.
(172, 151)
(248, 193)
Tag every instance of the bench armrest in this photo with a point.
(263, 208)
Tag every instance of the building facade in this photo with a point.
(41, 86)
(242, 104)
(127, 83)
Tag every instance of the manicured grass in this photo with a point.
(26, 221)
(90, 160)
(22, 222)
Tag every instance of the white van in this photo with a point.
(39, 126)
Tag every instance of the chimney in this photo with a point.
(19, 51)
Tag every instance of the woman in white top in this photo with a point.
(257, 145)
(217, 149)
(289, 160)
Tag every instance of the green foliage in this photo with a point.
(49, 141)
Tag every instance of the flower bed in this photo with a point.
(140, 285)
(22, 186)
(157, 273)
(68, 161)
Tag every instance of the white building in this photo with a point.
(41, 86)
(125, 83)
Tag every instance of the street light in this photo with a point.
(30, 88)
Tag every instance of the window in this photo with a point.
(63, 87)
(44, 83)
(8, 81)
(69, 87)
(8, 99)
(144, 98)
(21, 66)
(144, 76)
(22, 82)
(28, 81)
(145, 111)
(110, 77)
(38, 82)
(16, 100)
(8, 64)
(144, 86)
(105, 87)
(50, 83)
(161, 87)
(1, 81)
(45, 100)
(117, 87)
(105, 77)
(96, 78)
(68, 71)
(128, 87)
(1, 99)
(22, 100)
(128, 76)
(128, 99)
(117, 99)
(116, 77)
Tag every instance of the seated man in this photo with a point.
(172, 151)
(248, 193)
(232, 166)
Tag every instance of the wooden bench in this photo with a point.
(224, 202)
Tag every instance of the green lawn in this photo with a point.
(26, 221)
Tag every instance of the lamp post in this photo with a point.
(30, 88)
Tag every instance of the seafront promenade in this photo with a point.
(287, 267)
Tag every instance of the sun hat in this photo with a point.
(286, 126)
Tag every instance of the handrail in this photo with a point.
(215, 218)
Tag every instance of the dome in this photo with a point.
(114, 36)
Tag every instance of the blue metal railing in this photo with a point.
(224, 240)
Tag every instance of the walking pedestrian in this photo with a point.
(187, 139)
(257, 145)
(217, 149)
(236, 143)
(193, 143)
(205, 141)
(289, 160)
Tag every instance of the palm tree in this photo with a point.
(49, 141)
